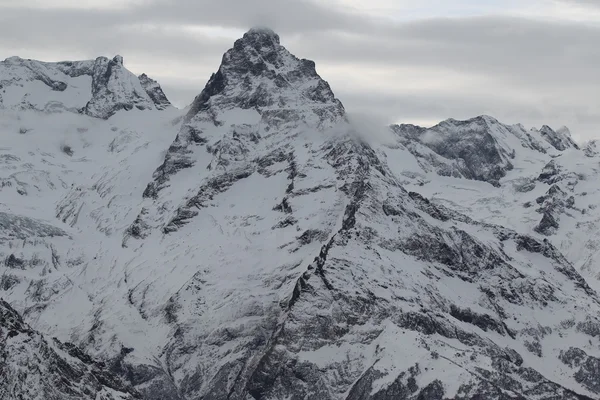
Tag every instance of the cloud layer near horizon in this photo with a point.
(534, 62)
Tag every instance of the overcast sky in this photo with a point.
(530, 61)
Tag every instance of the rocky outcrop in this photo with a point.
(554, 203)
(155, 92)
(114, 88)
(20, 227)
(460, 148)
(551, 173)
(560, 140)
(591, 149)
(33, 367)
(588, 367)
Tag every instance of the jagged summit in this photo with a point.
(260, 73)
(260, 89)
(560, 139)
(155, 92)
(99, 87)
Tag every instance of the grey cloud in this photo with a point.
(101, 32)
(429, 109)
(517, 48)
(586, 3)
(285, 16)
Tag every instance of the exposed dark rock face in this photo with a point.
(207, 192)
(588, 373)
(548, 225)
(552, 205)
(591, 149)
(153, 382)
(467, 148)
(524, 186)
(256, 74)
(560, 140)
(551, 173)
(32, 367)
(114, 88)
(482, 321)
(19, 227)
(155, 92)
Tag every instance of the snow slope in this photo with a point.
(259, 246)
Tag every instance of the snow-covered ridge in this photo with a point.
(98, 88)
(34, 367)
(480, 148)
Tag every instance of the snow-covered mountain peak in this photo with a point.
(480, 148)
(259, 73)
(155, 92)
(260, 89)
(98, 88)
(559, 139)
(115, 88)
(472, 149)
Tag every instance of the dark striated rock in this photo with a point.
(548, 225)
(588, 373)
(14, 262)
(256, 74)
(552, 205)
(591, 149)
(206, 193)
(155, 92)
(110, 94)
(524, 186)
(560, 140)
(483, 321)
(468, 148)
(18, 227)
(550, 173)
(153, 382)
